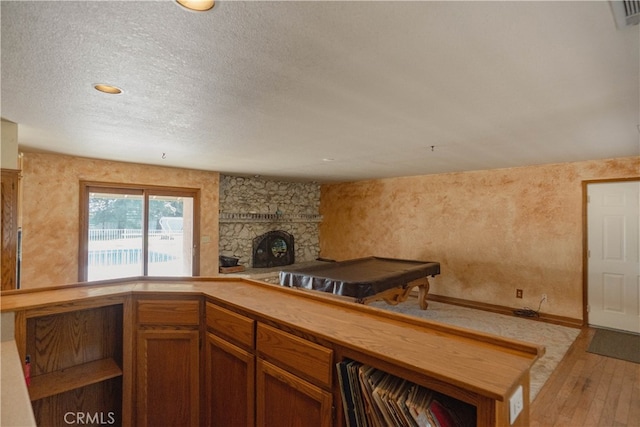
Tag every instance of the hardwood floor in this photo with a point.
(589, 390)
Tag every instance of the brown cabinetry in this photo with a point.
(292, 385)
(167, 362)
(293, 380)
(230, 368)
(287, 400)
(135, 351)
(9, 219)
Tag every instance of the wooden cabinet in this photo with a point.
(76, 365)
(293, 380)
(292, 375)
(167, 363)
(230, 369)
(9, 220)
(139, 352)
(285, 400)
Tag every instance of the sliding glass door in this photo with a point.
(170, 236)
(114, 237)
(133, 231)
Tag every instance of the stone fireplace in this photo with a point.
(273, 249)
(252, 207)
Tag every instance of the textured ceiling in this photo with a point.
(277, 88)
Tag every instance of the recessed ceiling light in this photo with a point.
(328, 159)
(197, 5)
(112, 90)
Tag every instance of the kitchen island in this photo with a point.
(132, 340)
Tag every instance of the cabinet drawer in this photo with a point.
(158, 312)
(233, 326)
(307, 358)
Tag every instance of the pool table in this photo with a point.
(366, 279)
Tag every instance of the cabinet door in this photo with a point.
(230, 384)
(167, 390)
(284, 400)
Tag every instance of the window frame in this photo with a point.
(146, 191)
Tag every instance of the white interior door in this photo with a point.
(613, 218)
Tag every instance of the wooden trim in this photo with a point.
(20, 334)
(500, 309)
(128, 362)
(195, 244)
(134, 186)
(585, 240)
(9, 223)
(144, 285)
(88, 285)
(347, 302)
(145, 234)
(90, 303)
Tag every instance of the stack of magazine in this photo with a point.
(374, 398)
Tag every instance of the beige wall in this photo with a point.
(492, 231)
(8, 145)
(50, 213)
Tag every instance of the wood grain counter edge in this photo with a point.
(238, 293)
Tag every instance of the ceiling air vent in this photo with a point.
(626, 12)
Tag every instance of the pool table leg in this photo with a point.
(397, 295)
(423, 290)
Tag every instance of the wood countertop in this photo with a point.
(488, 365)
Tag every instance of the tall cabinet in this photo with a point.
(9, 253)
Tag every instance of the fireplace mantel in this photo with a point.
(231, 217)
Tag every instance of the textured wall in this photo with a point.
(9, 145)
(492, 231)
(50, 213)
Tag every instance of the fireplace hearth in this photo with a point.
(273, 249)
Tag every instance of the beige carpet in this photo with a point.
(556, 339)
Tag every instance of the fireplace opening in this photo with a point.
(273, 249)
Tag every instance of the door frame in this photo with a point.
(585, 241)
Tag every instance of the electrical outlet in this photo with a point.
(518, 293)
(516, 404)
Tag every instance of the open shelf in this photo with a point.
(373, 397)
(72, 378)
(76, 361)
